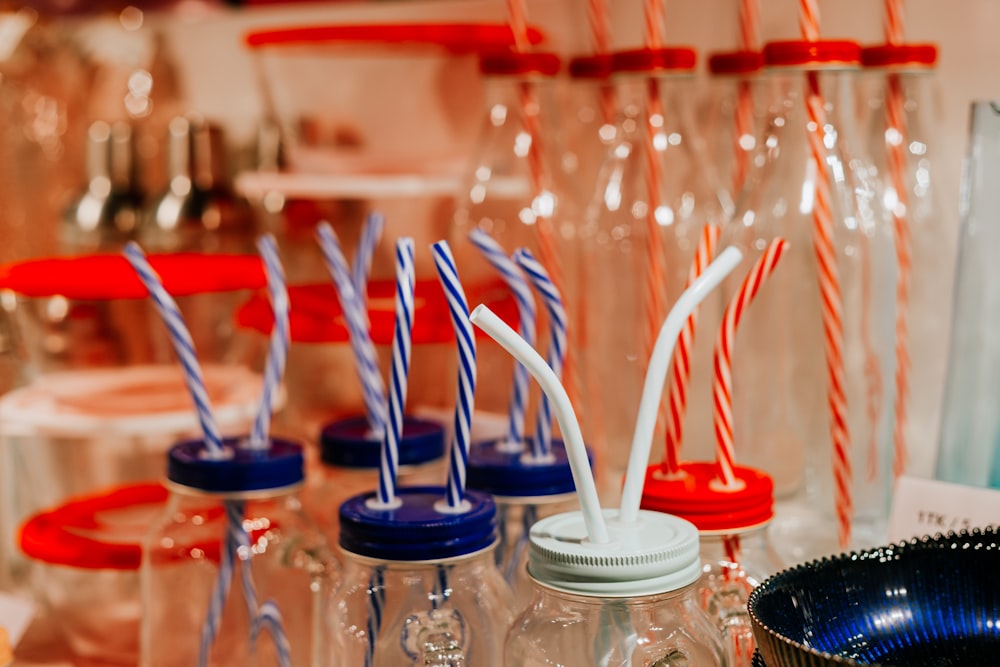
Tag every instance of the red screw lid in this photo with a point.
(677, 59)
(819, 54)
(595, 66)
(694, 497)
(735, 62)
(101, 277)
(316, 315)
(900, 55)
(452, 37)
(513, 63)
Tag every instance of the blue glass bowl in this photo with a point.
(931, 601)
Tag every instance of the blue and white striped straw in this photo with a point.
(269, 618)
(541, 443)
(180, 337)
(401, 348)
(371, 233)
(376, 606)
(465, 339)
(277, 352)
(356, 315)
(526, 313)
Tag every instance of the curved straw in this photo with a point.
(497, 329)
(274, 368)
(656, 375)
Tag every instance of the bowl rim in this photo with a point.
(912, 544)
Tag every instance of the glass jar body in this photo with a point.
(447, 612)
(568, 629)
(286, 563)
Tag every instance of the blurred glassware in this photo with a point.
(903, 123)
(589, 115)
(198, 210)
(970, 423)
(819, 420)
(106, 214)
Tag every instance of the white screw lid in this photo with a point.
(656, 553)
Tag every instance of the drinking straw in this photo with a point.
(183, 346)
(829, 285)
(370, 235)
(656, 374)
(401, 348)
(600, 32)
(376, 604)
(274, 368)
(465, 340)
(541, 443)
(365, 358)
(576, 451)
(680, 366)
(896, 143)
(743, 117)
(525, 300)
(270, 619)
(722, 387)
(518, 15)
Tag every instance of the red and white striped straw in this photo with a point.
(680, 366)
(750, 25)
(743, 116)
(517, 14)
(896, 148)
(600, 25)
(894, 25)
(722, 387)
(655, 19)
(809, 19)
(829, 285)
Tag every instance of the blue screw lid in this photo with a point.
(243, 469)
(347, 443)
(510, 474)
(416, 530)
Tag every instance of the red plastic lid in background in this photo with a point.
(594, 66)
(675, 59)
(100, 277)
(71, 535)
(822, 53)
(694, 497)
(735, 62)
(917, 56)
(316, 315)
(452, 37)
(513, 63)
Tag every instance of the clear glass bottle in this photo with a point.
(590, 116)
(235, 523)
(736, 554)
(350, 465)
(630, 602)
(820, 418)
(734, 112)
(901, 122)
(674, 194)
(515, 190)
(970, 423)
(420, 586)
(524, 491)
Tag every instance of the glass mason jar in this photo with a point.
(736, 554)
(350, 460)
(819, 420)
(524, 491)
(901, 122)
(234, 573)
(420, 586)
(655, 193)
(970, 424)
(632, 601)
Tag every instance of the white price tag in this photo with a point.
(927, 507)
(15, 616)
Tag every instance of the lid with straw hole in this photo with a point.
(735, 63)
(516, 63)
(239, 469)
(675, 59)
(502, 471)
(900, 56)
(821, 54)
(349, 443)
